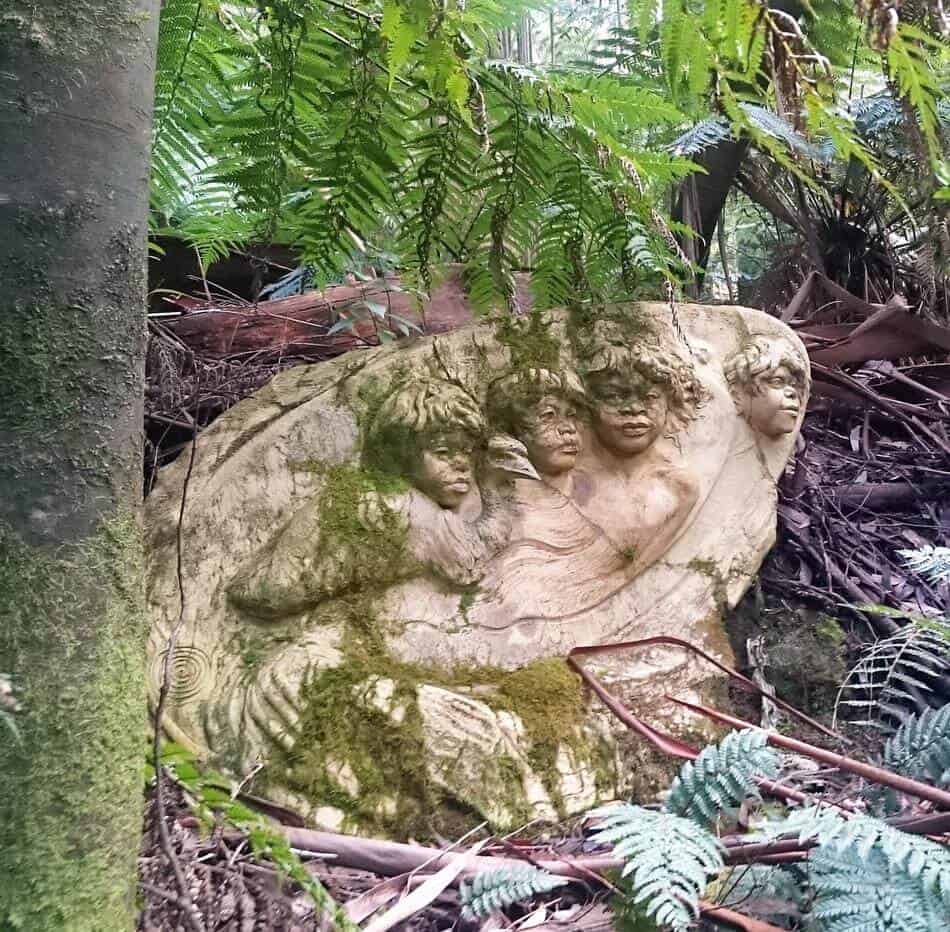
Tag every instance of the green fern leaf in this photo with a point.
(722, 776)
(668, 859)
(921, 747)
(497, 889)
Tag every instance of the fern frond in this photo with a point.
(497, 889)
(921, 747)
(855, 893)
(703, 135)
(924, 862)
(909, 63)
(771, 124)
(890, 675)
(722, 776)
(929, 561)
(668, 859)
(875, 114)
(193, 52)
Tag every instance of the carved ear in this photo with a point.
(509, 455)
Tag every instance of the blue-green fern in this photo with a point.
(921, 747)
(932, 562)
(855, 893)
(497, 889)
(922, 862)
(668, 859)
(722, 776)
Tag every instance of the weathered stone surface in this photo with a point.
(385, 551)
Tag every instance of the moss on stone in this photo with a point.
(530, 341)
(546, 695)
(342, 725)
(370, 552)
(382, 741)
(805, 649)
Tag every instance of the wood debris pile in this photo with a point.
(872, 473)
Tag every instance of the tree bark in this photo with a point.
(76, 88)
(701, 197)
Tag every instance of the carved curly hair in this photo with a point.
(511, 397)
(410, 416)
(609, 352)
(762, 354)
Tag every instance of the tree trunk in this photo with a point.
(702, 196)
(76, 88)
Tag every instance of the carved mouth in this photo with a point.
(636, 428)
(570, 449)
(459, 485)
(791, 410)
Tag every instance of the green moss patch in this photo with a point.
(361, 749)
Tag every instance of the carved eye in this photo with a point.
(653, 395)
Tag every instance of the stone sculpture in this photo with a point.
(768, 380)
(385, 556)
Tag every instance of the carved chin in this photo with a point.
(629, 443)
(779, 424)
(557, 462)
(450, 497)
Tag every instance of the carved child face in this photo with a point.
(444, 471)
(550, 436)
(773, 405)
(630, 412)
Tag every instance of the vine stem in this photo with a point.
(188, 906)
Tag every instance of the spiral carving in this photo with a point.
(191, 667)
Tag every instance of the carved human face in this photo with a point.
(444, 472)
(630, 412)
(774, 405)
(550, 436)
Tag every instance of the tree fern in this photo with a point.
(722, 776)
(497, 889)
(669, 859)
(921, 747)
(703, 135)
(331, 125)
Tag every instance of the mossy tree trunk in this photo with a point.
(76, 88)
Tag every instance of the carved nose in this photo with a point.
(566, 427)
